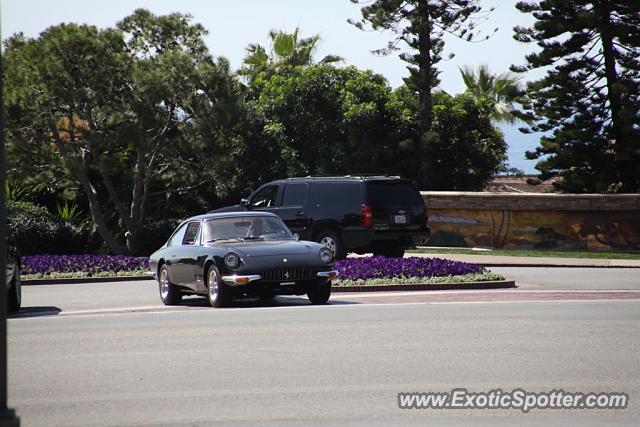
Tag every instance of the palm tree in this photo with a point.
(503, 89)
(287, 49)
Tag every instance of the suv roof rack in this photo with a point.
(355, 176)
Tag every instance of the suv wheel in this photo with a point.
(332, 241)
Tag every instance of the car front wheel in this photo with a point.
(169, 293)
(218, 293)
(14, 297)
(320, 293)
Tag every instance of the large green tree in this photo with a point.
(466, 149)
(113, 108)
(588, 104)
(66, 93)
(326, 120)
(421, 26)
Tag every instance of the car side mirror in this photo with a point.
(245, 203)
(296, 236)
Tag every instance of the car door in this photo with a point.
(265, 198)
(173, 248)
(293, 208)
(186, 255)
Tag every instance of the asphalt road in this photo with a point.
(112, 356)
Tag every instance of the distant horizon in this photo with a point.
(231, 30)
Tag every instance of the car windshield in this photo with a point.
(246, 228)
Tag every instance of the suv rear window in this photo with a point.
(393, 193)
(346, 195)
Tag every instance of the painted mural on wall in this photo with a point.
(564, 230)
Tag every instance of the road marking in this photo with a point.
(202, 309)
(347, 295)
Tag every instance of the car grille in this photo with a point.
(288, 274)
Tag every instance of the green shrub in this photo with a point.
(37, 231)
(154, 233)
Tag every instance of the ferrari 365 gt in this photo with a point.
(240, 253)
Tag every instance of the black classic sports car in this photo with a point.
(231, 254)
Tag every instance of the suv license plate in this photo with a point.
(400, 219)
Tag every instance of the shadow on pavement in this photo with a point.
(34, 312)
(279, 301)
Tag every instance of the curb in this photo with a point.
(87, 280)
(554, 265)
(497, 284)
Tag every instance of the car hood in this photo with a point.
(273, 247)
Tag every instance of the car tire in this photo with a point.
(320, 293)
(169, 293)
(14, 295)
(218, 294)
(332, 240)
(390, 251)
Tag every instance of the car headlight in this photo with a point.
(325, 255)
(231, 260)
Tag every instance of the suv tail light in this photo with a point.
(366, 218)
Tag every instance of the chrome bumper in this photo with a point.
(236, 280)
(329, 275)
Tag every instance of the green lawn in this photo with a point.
(532, 253)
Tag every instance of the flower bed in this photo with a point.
(377, 270)
(65, 266)
(381, 270)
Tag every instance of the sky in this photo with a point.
(233, 25)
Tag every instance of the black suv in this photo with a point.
(380, 214)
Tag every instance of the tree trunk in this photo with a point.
(94, 206)
(424, 65)
(619, 125)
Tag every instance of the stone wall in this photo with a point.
(534, 221)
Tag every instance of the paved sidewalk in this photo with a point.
(516, 261)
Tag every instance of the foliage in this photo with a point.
(13, 190)
(111, 110)
(325, 120)
(90, 265)
(287, 49)
(69, 212)
(421, 25)
(35, 230)
(463, 150)
(502, 89)
(380, 267)
(155, 233)
(433, 280)
(588, 104)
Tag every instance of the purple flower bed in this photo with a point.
(380, 267)
(47, 264)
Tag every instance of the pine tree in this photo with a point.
(588, 103)
(421, 25)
